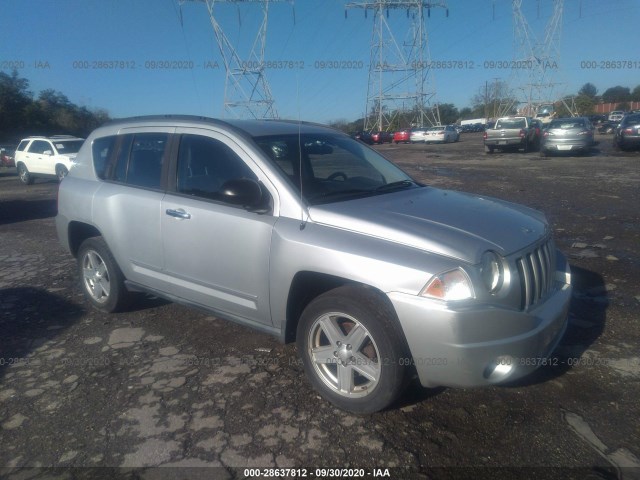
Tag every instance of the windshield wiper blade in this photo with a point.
(339, 193)
(395, 185)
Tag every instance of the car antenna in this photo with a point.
(303, 221)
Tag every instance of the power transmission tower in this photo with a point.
(536, 60)
(399, 73)
(246, 91)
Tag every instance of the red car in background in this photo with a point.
(7, 154)
(402, 136)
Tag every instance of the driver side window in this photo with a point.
(205, 165)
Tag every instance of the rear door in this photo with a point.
(126, 207)
(216, 254)
(35, 159)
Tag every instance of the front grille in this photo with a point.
(536, 269)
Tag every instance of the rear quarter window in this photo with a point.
(102, 150)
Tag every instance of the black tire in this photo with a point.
(24, 175)
(489, 150)
(352, 377)
(101, 279)
(61, 172)
(543, 152)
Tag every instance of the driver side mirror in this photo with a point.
(246, 193)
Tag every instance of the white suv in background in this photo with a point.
(46, 157)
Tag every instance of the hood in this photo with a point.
(445, 222)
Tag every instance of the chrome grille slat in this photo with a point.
(536, 270)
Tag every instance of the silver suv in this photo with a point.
(302, 232)
(46, 157)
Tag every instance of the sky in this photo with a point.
(65, 45)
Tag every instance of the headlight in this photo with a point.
(451, 285)
(491, 271)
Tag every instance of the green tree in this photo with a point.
(588, 90)
(616, 94)
(584, 104)
(15, 98)
(51, 113)
(635, 95)
(448, 113)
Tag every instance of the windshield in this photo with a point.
(332, 167)
(68, 146)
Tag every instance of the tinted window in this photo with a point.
(40, 146)
(632, 119)
(140, 159)
(102, 149)
(23, 145)
(205, 165)
(68, 146)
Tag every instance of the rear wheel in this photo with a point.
(353, 350)
(489, 150)
(23, 173)
(102, 280)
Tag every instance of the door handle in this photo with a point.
(179, 213)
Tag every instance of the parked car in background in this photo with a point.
(457, 130)
(299, 231)
(364, 137)
(7, 154)
(403, 136)
(381, 137)
(608, 127)
(597, 119)
(418, 135)
(573, 134)
(46, 157)
(616, 116)
(441, 134)
(627, 134)
(512, 133)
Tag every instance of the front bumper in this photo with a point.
(469, 347)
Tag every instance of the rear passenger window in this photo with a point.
(205, 165)
(140, 160)
(102, 149)
(39, 146)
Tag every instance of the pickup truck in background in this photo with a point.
(513, 133)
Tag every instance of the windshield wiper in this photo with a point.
(395, 185)
(339, 193)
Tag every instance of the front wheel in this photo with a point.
(353, 350)
(102, 280)
(61, 172)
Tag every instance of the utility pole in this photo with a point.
(399, 72)
(246, 91)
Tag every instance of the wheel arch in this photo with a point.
(308, 285)
(78, 232)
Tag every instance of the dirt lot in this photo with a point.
(166, 385)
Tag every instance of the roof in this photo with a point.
(254, 128)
